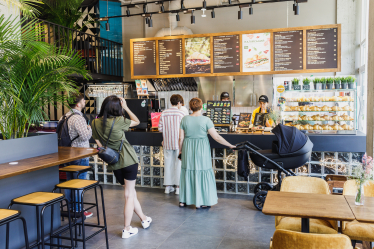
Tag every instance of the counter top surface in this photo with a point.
(64, 155)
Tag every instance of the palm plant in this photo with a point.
(33, 74)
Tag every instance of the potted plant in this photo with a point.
(351, 82)
(316, 81)
(33, 74)
(337, 82)
(295, 84)
(306, 84)
(344, 83)
(323, 82)
(329, 82)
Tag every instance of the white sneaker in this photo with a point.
(146, 223)
(177, 191)
(169, 189)
(127, 234)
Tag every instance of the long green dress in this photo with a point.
(197, 181)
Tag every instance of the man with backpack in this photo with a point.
(73, 131)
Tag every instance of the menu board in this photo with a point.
(256, 52)
(197, 55)
(244, 120)
(322, 48)
(144, 60)
(170, 56)
(288, 50)
(226, 54)
(219, 111)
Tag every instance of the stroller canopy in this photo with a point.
(290, 139)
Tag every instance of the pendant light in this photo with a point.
(146, 20)
(192, 18)
(213, 14)
(162, 8)
(229, 1)
(296, 10)
(240, 14)
(150, 22)
(178, 17)
(107, 26)
(250, 9)
(128, 11)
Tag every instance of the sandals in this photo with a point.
(203, 207)
(182, 204)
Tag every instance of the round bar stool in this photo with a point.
(75, 186)
(6, 217)
(42, 200)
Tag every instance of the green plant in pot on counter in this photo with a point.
(295, 84)
(344, 83)
(351, 82)
(306, 84)
(33, 74)
(315, 82)
(323, 82)
(337, 82)
(329, 82)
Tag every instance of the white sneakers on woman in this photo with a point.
(132, 231)
(169, 189)
(146, 223)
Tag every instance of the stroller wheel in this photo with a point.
(262, 186)
(259, 200)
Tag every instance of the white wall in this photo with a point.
(8, 10)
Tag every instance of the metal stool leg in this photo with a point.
(104, 216)
(97, 208)
(70, 227)
(37, 227)
(42, 226)
(25, 232)
(82, 214)
(7, 236)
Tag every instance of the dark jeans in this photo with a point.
(69, 176)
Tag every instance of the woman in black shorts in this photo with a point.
(125, 170)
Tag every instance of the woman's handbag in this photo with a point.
(106, 154)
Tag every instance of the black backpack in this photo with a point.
(63, 132)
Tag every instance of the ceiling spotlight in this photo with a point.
(229, 1)
(144, 8)
(150, 22)
(192, 18)
(251, 10)
(294, 6)
(203, 15)
(240, 14)
(107, 26)
(178, 17)
(213, 14)
(146, 20)
(162, 7)
(297, 9)
(204, 6)
(128, 11)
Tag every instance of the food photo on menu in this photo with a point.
(197, 55)
(256, 52)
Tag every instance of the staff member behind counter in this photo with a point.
(263, 101)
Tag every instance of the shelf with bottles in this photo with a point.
(324, 127)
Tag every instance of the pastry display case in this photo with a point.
(319, 111)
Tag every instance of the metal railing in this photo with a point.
(102, 56)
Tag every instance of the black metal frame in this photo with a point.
(7, 223)
(41, 238)
(79, 220)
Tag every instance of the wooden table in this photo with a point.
(362, 213)
(64, 155)
(306, 206)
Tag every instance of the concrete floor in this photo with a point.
(232, 223)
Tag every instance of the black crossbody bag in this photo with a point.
(106, 154)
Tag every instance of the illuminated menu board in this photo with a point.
(197, 55)
(322, 48)
(170, 56)
(144, 61)
(288, 50)
(226, 54)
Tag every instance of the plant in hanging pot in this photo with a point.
(295, 84)
(316, 81)
(323, 82)
(306, 84)
(337, 82)
(344, 83)
(329, 82)
(362, 174)
(351, 82)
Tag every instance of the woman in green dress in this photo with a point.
(197, 181)
(112, 114)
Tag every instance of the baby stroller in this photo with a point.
(292, 150)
